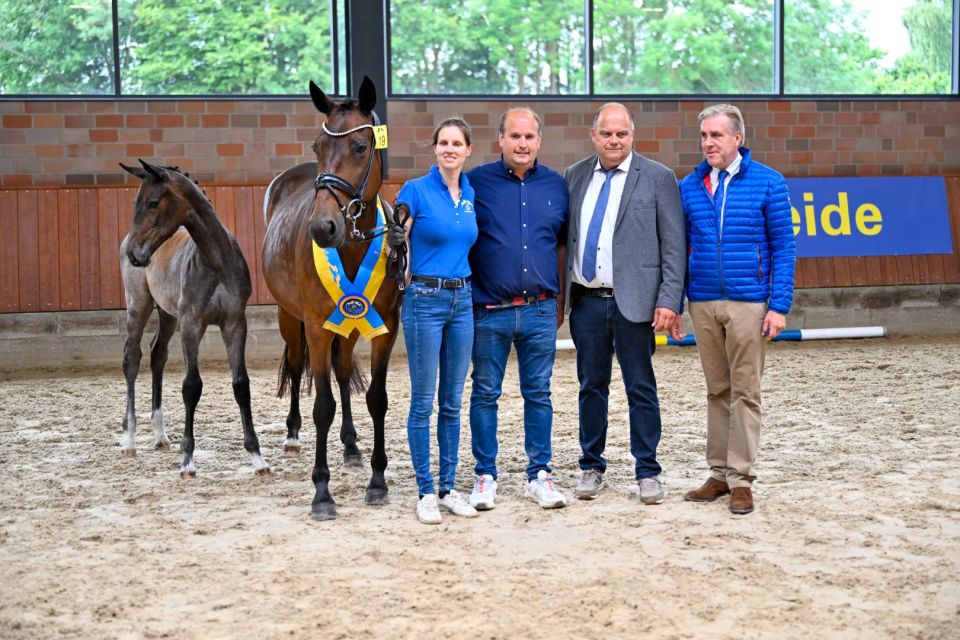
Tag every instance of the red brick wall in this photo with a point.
(248, 142)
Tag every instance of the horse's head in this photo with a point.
(349, 171)
(162, 205)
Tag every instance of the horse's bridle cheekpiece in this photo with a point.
(333, 183)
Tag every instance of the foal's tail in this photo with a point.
(358, 377)
(287, 373)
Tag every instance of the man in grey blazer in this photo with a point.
(626, 256)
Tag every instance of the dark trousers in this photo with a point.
(599, 331)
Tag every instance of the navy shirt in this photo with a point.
(521, 223)
(443, 231)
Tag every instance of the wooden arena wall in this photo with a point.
(59, 248)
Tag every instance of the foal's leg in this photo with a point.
(234, 334)
(324, 408)
(139, 305)
(343, 369)
(377, 406)
(291, 329)
(191, 332)
(159, 350)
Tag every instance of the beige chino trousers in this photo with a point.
(732, 349)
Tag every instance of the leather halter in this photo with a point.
(355, 206)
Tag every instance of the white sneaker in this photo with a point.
(428, 511)
(484, 493)
(651, 490)
(455, 504)
(542, 491)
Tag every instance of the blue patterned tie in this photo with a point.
(593, 232)
(718, 194)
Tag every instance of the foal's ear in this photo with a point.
(320, 99)
(157, 172)
(140, 173)
(367, 96)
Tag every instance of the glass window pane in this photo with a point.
(56, 47)
(867, 47)
(494, 47)
(683, 46)
(211, 47)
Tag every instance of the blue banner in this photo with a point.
(869, 216)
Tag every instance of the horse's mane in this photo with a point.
(186, 175)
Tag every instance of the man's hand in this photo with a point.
(663, 319)
(396, 235)
(773, 324)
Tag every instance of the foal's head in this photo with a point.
(348, 169)
(165, 200)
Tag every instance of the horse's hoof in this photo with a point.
(353, 460)
(377, 497)
(323, 511)
(292, 449)
(162, 446)
(265, 471)
(128, 453)
(188, 474)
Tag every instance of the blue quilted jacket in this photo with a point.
(753, 259)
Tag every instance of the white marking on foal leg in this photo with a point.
(128, 441)
(291, 445)
(162, 442)
(260, 467)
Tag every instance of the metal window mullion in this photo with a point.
(955, 72)
(778, 46)
(588, 45)
(115, 11)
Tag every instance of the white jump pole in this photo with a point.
(790, 335)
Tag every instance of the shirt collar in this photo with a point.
(623, 166)
(731, 170)
(530, 172)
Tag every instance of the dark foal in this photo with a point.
(331, 202)
(179, 258)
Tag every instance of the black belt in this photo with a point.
(441, 283)
(597, 292)
(519, 301)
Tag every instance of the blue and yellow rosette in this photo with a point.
(354, 299)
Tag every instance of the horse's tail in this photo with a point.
(358, 377)
(286, 371)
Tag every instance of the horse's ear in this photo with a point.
(140, 173)
(320, 99)
(367, 96)
(157, 172)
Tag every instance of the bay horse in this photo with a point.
(315, 203)
(179, 258)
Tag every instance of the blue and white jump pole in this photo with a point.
(789, 335)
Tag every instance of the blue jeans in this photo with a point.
(599, 330)
(532, 329)
(438, 331)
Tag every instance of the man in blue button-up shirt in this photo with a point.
(517, 265)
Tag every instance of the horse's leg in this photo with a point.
(159, 350)
(343, 369)
(291, 329)
(234, 334)
(191, 332)
(377, 406)
(138, 312)
(324, 407)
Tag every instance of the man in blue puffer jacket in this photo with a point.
(740, 287)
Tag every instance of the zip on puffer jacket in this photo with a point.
(754, 257)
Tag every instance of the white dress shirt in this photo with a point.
(715, 175)
(604, 277)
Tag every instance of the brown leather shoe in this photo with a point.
(708, 491)
(741, 500)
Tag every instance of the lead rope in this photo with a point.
(398, 255)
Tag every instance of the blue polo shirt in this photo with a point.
(521, 224)
(443, 231)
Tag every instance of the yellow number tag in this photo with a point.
(380, 133)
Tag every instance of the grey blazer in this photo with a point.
(649, 239)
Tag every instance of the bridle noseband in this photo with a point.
(333, 183)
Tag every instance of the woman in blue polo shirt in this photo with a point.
(438, 313)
